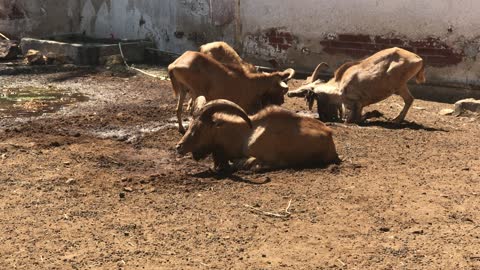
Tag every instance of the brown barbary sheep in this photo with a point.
(272, 138)
(359, 84)
(201, 75)
(225, 54)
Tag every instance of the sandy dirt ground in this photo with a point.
(97, 185)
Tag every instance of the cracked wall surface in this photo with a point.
(299, 34)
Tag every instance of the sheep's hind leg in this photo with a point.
(181, 99)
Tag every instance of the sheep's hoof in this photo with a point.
(397, 120)
(223, 170)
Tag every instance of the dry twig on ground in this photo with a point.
(285, 214)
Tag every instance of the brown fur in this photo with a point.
(225, 54)
(279, 138)
(201, 75)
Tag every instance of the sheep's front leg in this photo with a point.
(355, 114)
(220, 162)
(190, 106)
(404, 92)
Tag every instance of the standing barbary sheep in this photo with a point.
(359, 84)
(225, 54)
(274, 137)
(201, 75)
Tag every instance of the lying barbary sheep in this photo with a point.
(272, 138)
(359, 84)
(201, 75)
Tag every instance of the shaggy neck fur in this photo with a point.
(231, 136)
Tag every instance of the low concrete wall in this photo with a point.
(299, 34)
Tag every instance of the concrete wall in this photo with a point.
(444, 33)
(296, 33)
(37, 18)
(175, 26)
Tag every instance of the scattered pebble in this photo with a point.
(446, 112)
(384, 229)
(70, 181)
(128, 189)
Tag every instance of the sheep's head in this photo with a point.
(328, 107)
(328, 110)
(307, 92)
(201, 134)
(275, 94)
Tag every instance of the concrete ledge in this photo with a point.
(441, 93)
(87, 53)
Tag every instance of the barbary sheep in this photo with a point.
(272, 138)
(201, 75)
(359, 84)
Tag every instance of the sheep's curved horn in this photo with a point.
(223, 105)
(319, 68)
(302, 92)
(290, 72)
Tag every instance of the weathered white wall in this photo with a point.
(296, 33)
(452, 22)
(174, 25)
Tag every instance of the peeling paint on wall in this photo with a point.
(19, 18)
(11, 10)
(271, 43)
(434, 51)
(222, 12)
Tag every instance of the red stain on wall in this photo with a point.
(279, 39)
(434, 51)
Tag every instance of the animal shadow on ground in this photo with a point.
(390, 125)
(403, 125)
(227, 175)
(258, 176)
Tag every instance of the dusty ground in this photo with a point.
(97, 185)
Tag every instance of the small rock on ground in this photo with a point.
(468, 104)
